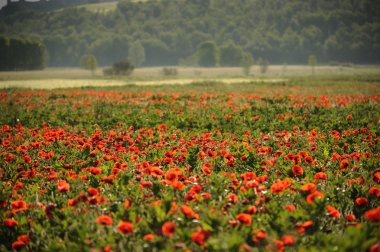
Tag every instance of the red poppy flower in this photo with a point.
(297, 170)
(17, 245)
(277, 187)
(206, 168)
(374, 191)
(361, 201)
(178, 185)
(260, 235)
(92, 191)
(149, 237)
(63, 186)
(18, 206)
(127, 204)
(94, 170)
(373, 215)
(244, 218)
(344, 164)
(104, 220)
(251, 210)
(350, 217)
(310, 198)
(333, 212)
(309, 187)
(125, 227)
(200, 236)
(288, 240)
(188, 212)
(320, 176)
(10, 223)
(290, 207)
(168, 229)
(21, 242)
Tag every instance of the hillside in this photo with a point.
(170, 32)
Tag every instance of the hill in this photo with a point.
(171, 31)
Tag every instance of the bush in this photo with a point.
(169, 71)
(119, 68)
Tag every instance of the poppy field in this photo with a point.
(200, 167)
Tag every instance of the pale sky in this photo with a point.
(2, 3)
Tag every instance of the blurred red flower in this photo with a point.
(104, 220)
(168, 229)
(125, 227)
(200, 236)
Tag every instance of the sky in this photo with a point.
(2, 3)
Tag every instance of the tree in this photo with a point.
(312, 61)
(88, 62)
(136, 54)
(21, 54)
(246, 63)
(230, 54)
(123, 67)
(263, 63)
(207, 54)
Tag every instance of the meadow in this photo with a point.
(209, 165)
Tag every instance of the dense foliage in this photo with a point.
(172, 31)
(21, 54)
(180, 168)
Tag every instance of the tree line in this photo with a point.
(21, 54)
(172, 32)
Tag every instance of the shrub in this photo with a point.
(169, 71)
(119, 68)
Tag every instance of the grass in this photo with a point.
(52, 78)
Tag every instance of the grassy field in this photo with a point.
(100, 7)
(74, 77)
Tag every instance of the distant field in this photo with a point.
(103, 7)
(75, 77)
(100, 7)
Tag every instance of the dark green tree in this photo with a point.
(207, 54)
(230, 54)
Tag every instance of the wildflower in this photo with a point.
(18, 206)
(206, 168)
(309, 187)
(92, 192)
(373, 215)
(125, 227)
(374, 191)
(277, 187)
(333, 212)
(361, 201)
(244, 218)
(200, 236)
(149, 237)
(312, 196)
(260, 235)
(10, 223)
(188, 212)
(344, 164)
(288, 240)
(297, 170)
(168, 229)
(21, 242)
(290, 207)
(63, 186)
(104, 220)
(350, 217)
(320, 176)
(127, 204)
